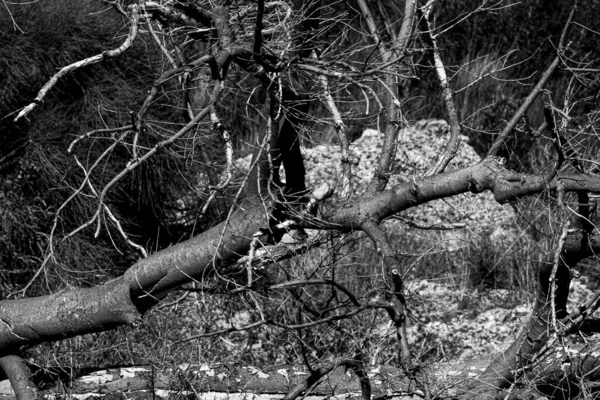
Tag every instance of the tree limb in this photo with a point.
(133, 30)
(20, 377)
(503, 136)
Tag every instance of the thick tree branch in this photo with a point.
(123, 300)
(20, 377)
(489, 175)
(237, 242)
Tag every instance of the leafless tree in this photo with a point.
(341, 59)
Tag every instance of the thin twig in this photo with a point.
(503, 136)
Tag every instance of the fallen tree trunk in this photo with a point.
(559, 375)
(223, 381)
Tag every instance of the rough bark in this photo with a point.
(558, 376)
(19, 376)
(124, 300)
(490, 175)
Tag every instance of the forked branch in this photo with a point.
(317, 376)
(398, 303)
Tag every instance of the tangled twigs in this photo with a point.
(271, 322)
(398, 311)
(136, 161)
(133, 165)
(112, 217)
(503, 136)
(389, 82)
(317, 376)
(133, 30)
(95, 131)
(87, 175)
(259, 257)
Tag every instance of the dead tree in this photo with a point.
(284, 48)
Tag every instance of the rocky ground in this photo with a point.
(465, 324)
(419, 145)
(446, 320)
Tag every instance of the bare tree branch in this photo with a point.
(133, 30)
(546, 75)
(447, 95)
(20, 377)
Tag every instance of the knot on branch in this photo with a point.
(414, 190)
(474, 186)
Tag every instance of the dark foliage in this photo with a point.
(37, 174)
